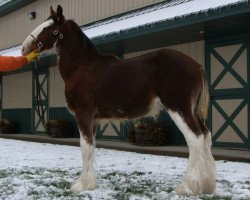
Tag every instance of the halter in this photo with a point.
(56, 33)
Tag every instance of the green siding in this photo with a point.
(63, 113)
(176, 137)
(22, 116)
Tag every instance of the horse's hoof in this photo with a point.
(209, 186)
(183, 189)
(77, 187)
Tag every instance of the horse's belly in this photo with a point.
(135, 111)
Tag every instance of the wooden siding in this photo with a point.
(17, 25)
(17, 91)
(56, 88)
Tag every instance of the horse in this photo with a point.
(100, 86)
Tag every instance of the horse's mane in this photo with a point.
(87, 45)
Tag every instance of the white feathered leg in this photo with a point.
(210, 182)
(87, 180)
(200, 172)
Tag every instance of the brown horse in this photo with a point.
(101, 86)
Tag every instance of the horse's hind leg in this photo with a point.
(200, 172)
(87, 180)
(209, 183)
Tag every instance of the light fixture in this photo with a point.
(32, 15)
(201, 32)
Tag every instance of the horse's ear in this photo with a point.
(59, 13)
(52, 12)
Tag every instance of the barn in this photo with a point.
(215, 33)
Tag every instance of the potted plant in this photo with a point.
(7, 126)
(59, 128)
(150, 132)
(131, 137)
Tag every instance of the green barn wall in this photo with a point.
(21, 116)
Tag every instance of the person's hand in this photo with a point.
(32, 56)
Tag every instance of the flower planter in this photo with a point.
(57, 132)
(7, 126)
(150, 133)
(143, 137)
(131, 137)
(59, 128)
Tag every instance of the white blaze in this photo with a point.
(29, 40)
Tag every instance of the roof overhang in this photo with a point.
(214, 23)
(13, 5)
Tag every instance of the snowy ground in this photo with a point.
(44, 171)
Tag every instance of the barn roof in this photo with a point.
(8, 6)
(3, 2)
(170, 23)
(158, 13)
(167, 23)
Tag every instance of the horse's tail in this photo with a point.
(203, 100)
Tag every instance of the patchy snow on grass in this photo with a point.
(45, 171)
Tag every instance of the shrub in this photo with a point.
(59, 128)
(7, 126)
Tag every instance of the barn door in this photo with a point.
(40, 99)
(229, 79)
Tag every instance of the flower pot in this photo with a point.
(57, 132)
(131, 137)
(143, 137)
(7, 126)
(59, 128)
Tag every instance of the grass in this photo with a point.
(3, 174)
(55, 184)
(129, 187)
(215, 198)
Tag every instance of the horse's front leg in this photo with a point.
(87, 180)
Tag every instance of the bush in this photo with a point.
(149, 133)
(7, 126)
(59, 128)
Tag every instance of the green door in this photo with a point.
(40, 99)
(228, 71)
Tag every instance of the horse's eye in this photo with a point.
(47, 28)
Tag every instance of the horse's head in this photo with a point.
(45, 36)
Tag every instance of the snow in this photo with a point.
(13, 51)
(3, 2)
(45, 171)
(170, 10)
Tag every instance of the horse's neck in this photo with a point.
(73, 51)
